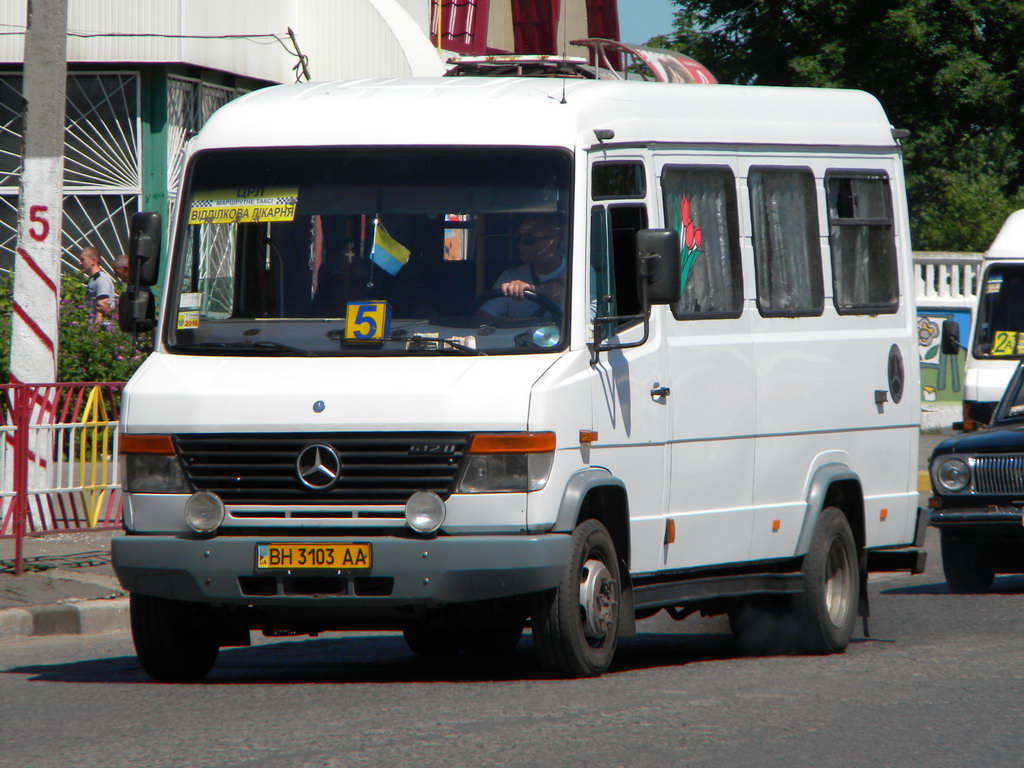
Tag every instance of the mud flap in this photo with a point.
(627, 613)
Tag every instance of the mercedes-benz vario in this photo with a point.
(458, 357)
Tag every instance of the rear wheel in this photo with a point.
(965, 566)
(173, 641)
(576, 626)
(827, 607)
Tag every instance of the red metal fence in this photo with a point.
(58, 459)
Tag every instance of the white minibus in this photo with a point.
(997, 337)
(460, 357)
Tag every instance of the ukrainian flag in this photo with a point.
(387, 253)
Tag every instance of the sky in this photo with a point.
(640, 20)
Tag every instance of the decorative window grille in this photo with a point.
(102, 163)
(190, 103)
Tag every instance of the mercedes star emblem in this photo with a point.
(318, 466)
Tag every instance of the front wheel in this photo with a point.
(827, 608)
(173, 642)
(965, 566)
(576, 626)
(431, 640)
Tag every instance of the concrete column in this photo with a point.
(37, 265)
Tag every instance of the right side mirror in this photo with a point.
(657, 254)
(144, 234)
(951, 338)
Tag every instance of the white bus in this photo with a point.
(997, 336)
(462, 356)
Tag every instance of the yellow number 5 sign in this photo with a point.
(367, 321)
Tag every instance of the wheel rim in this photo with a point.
(837, 583)
(598, 599)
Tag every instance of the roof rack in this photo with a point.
(609, 60)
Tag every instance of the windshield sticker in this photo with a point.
(190, 301)
(367, 321)
(994, 285)
(1006, 343)
(188, 319)
(188, 310)
(243, 205)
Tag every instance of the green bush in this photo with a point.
(87, 351)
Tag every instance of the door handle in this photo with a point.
(659, 392)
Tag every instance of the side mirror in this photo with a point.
(951, 338)
(657, 254)
(144, 234)
(135, 311)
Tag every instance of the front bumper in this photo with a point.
(405, 572)
(995, 521)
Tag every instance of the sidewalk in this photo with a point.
(68, 587)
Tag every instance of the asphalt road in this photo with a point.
(939, 683)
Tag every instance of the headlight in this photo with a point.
(951, 475)
(204, 512)
(424, 512)
(150, 465)
(514, 462)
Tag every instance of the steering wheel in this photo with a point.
(544, 304)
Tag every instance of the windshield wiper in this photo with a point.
(458, 346)
(241, 346)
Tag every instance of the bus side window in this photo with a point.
(862, 238)
(700, 203)
(787, 242)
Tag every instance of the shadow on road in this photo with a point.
(1003, 585)
(387, 659)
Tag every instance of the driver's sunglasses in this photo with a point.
(533, 239)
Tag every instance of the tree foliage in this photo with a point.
(949, 71)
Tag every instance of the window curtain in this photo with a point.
(787, 254)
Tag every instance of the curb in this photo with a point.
(88, 617)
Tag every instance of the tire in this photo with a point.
(498, 640)
(576, 626)
(173, 643)
(826, 609)
(964, 564)
(431, 640)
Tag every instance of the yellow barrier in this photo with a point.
(93, 455)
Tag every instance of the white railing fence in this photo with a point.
(947, 280)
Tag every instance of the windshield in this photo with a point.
(1011, 405)
(1000, 326)
(379, 252)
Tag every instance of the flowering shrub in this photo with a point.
(87, 351)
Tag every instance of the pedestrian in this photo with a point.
(121, 268)
(99, 293)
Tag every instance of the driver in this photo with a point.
(539, 243)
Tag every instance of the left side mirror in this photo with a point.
(135, 311)
(657, 255)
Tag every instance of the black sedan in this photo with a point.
(978, 502)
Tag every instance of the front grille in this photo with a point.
(999, 474)
(376, 468)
